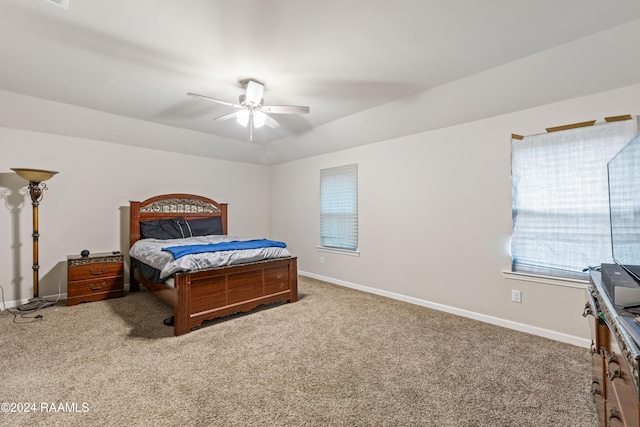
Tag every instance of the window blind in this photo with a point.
(339, 207)
(560, 200)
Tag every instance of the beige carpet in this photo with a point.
(338, 357)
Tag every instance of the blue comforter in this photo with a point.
(180, 251)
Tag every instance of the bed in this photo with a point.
(208, 292)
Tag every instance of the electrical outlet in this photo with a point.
(321, 260)
(516, 296)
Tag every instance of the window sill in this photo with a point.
(338, 251)
(547, 280)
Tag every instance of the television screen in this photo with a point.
(624, 206)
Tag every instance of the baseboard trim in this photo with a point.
(55, 297)
(522, 327)
(17, 303)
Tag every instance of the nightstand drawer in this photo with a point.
(94, 277)
(93, 286)
(97, 270)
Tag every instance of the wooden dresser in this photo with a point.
(614, 358)
(95, 277)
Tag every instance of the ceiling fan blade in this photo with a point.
(285, 109)
(271, 122)
(225, 117)
(219, 101)
(254, 94)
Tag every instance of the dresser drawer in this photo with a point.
(93, 286)
(622, 399)
(616, 355)
(97, 270)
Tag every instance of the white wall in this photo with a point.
(435, 218)
(87, 203)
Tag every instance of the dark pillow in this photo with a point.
(164, 229)
(205, 226)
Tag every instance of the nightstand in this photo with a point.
(95, 277)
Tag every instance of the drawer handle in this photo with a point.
(97, 288)
(613, 375)
(613, 413)
(595, 389)
(97, 273)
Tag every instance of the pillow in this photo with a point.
(177, 228)
(205, 226)
(164, 229)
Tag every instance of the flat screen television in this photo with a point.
(624, 207)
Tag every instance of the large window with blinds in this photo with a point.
(560, 200)
(339, 208)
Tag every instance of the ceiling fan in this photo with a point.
(253, 112)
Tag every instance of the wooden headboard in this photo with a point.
(165, 206)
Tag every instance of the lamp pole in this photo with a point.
(35, 191)
(36, 187)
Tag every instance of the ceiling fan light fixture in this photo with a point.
(253, 113)
(259, 119)
(242, 117)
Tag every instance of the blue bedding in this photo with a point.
(180, 251)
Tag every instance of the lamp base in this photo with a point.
(35, 304)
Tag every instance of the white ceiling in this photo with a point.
(138, 59)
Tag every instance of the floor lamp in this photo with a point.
(36, 187)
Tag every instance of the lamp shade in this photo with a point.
(34, 175)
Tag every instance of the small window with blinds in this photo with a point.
(560, 199)
(339, 208)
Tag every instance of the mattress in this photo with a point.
(153, 254)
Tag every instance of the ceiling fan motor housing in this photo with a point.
(245, 103)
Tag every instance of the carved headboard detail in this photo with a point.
(180, 206)
(166, 206)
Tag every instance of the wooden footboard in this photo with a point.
(209, 294)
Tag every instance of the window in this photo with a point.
(339, 207)
(560, 201)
